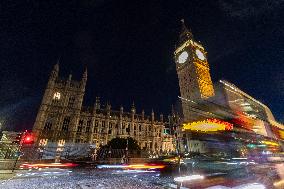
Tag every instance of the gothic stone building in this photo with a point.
(62, 118)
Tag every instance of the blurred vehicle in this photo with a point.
(47, 165)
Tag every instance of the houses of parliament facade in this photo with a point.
(62, 118)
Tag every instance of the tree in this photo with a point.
(121, 143)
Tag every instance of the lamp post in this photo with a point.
(127, 150)
(1, 130)
(128, 131)
(178, 153)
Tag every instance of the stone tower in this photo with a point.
(193, 72)
(60, 108)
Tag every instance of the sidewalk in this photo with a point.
(8, 174)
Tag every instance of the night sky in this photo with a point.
(128, 47)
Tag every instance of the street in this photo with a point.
(84, 178)
(114, 176)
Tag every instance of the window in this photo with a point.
(47, 125)
(71, 101)
(66, 123)
(88, 126)
(128, 130)
(110, 125)
(103, 123)
(87, 129)
(80, 126)
(96, 123)
(140, 128)
(56, 96)
(109, 131)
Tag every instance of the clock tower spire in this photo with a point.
(185, 33)
(193, 71)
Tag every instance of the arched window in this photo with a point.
(56, 98)
(88, 126)
(80, 126)
(48, 125)
(96, 123)
(71, 101)
(65, 124)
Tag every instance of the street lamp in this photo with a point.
(1, 130)
(128, 131)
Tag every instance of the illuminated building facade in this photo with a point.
(61, 117)
(250, 113)
(193, 71)
(169, 143)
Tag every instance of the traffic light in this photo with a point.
(28, 139)
(24, 138)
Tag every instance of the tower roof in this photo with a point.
(56, 66)
(185, 33)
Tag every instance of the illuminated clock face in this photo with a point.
(182, 57)
(199, 54)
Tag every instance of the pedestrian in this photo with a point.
(122, 159)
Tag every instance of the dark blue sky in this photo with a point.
(128, 49)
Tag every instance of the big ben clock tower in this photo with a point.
(193, 72)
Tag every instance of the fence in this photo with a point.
(70, 151)
(53, 151)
